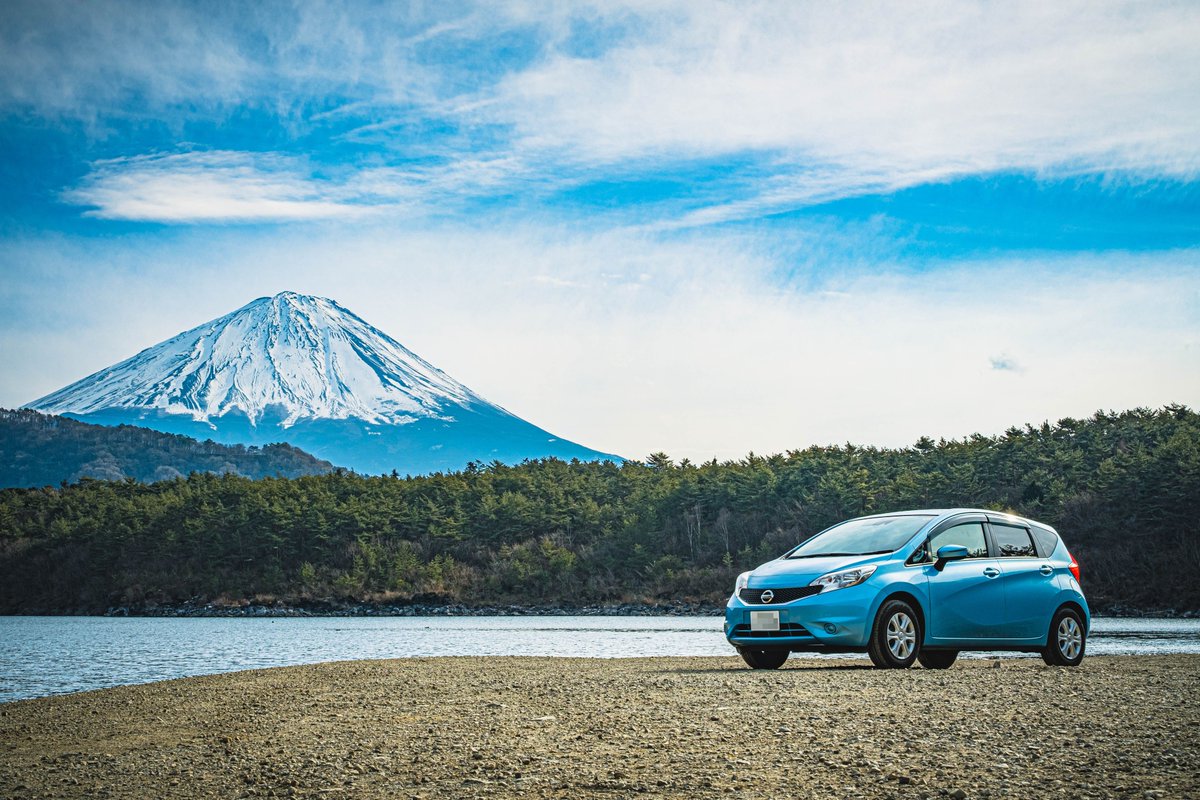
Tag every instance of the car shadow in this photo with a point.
(809, 667)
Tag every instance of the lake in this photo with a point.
(53, 655)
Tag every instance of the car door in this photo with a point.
(966, 601)
(1030, 590)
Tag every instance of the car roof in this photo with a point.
(942, 513)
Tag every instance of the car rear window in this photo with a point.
(1046, 541)
(1012, 542)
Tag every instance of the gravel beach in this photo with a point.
(662, 727)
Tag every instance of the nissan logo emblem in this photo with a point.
(768, 596)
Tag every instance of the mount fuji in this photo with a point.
(304, 370)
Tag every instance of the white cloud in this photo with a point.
(230, 186)
(840, 101)
(642, 344)
(1005, 363)
(119, 59)
(856, 98)
(204, 187)
(830, 100)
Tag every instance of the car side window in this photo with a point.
(969, 535)
(1012, 542)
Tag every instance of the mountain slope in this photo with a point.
(307, 371)
(291, 356)
(41, 450)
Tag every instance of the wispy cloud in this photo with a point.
(109, 60)
(231, 186)
(1004, 363)
(207, 187)
(849, 99)
(803, 102)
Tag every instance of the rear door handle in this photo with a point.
(991, 572)
(1046, 570)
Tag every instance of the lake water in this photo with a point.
(53, 655)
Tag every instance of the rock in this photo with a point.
(447, 727)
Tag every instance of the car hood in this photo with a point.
(801, 571)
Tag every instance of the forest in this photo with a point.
(45, 450)
(1123, 489)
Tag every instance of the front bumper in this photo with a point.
(836, 620)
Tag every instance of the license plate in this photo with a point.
(764, 620)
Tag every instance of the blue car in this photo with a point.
(915, 586)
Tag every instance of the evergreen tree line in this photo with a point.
(1122, 488)
(45, 450)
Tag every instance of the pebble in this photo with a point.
(547, 728)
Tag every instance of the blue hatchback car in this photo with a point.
(915, 586)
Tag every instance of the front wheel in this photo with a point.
(763, 657)
(937, 659)
(1066, 640)
(896, 636)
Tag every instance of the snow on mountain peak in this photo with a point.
(292, 356)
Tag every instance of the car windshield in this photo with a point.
(861, 537)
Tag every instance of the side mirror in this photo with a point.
(949, 552)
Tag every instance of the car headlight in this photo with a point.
(741, 582)
(844, 579)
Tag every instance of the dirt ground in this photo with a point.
(1124, 727)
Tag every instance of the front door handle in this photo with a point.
(1046, 570)
(991, 572)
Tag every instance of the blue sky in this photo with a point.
(698, 227)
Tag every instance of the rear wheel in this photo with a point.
(764, 657)
(896, 636)
(937, 659)
(1066, 641)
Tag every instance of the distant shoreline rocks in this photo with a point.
(423, 609)
(438, 605)
(431, 607)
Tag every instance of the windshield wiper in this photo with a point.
(821, 555)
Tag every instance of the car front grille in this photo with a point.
(754, 596)
(785, 629)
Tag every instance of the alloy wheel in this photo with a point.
(902, 635)
(1070, 638)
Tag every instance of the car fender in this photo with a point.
(1071, 595)
(904, 581)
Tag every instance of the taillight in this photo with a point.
(1074, 567)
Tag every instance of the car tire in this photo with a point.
(937, 659)
(1066, 639)
(896, 636)
(763, 657)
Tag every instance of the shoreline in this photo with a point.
(499, 727)
(335, 608)
(354, 609)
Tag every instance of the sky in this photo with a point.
(704, 228)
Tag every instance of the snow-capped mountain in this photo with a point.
(307, 371)
(299, 357)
